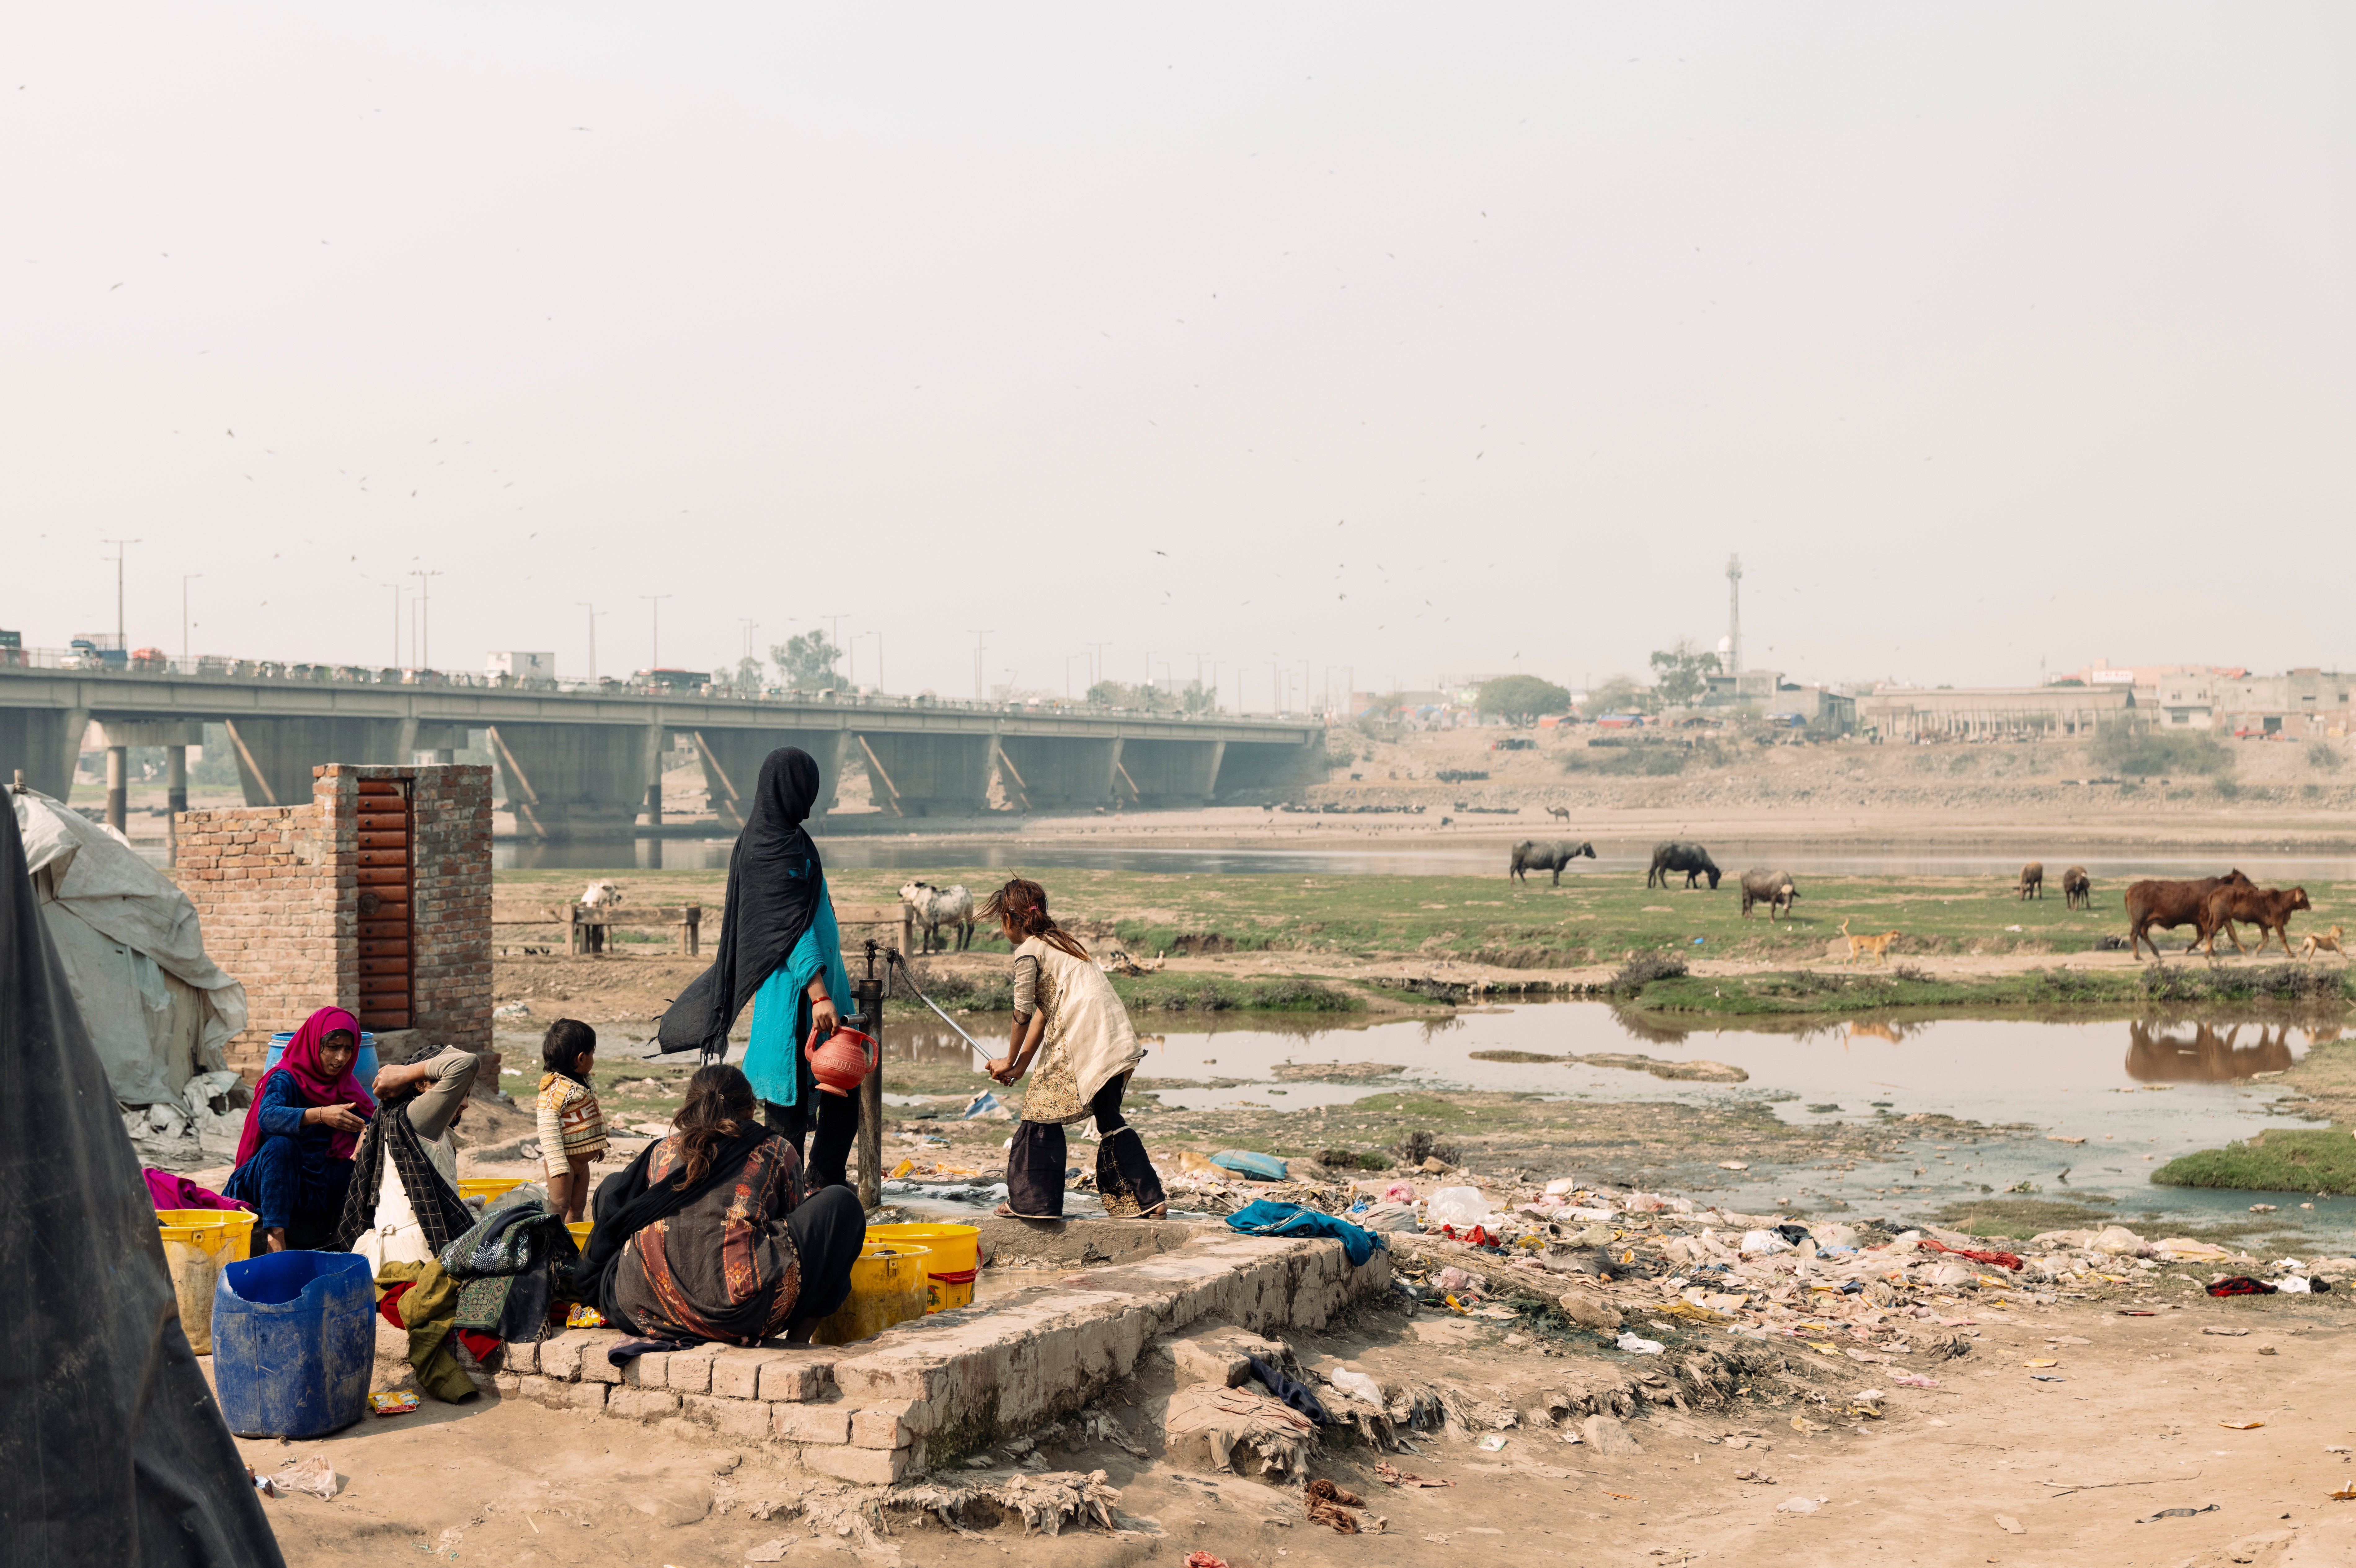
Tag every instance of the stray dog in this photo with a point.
(2328, 942)
(1878, 944)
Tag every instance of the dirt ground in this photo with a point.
(1992, 1467)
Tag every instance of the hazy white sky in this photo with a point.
(1409, 339)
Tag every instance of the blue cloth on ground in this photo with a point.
(1265, 1217)
(773, 1057)
(1296, 1396)
(1243, 1162)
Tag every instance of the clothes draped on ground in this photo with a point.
(1293, 1395)
(113, 1448)
(2241, 1285)
(1126, 1180)
(725, 1266)
(510, 1265)
(1266, 1216)
(168, 1189)
(1088, 1040)
(572, 1123)
(1993, 1259)
(427, 1308)
(776, 889)
(402, 1202)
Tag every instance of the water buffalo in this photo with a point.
(1531, 856)
(2077, 888)
(2033, 880)
(2168, 905)
(1670, 858)
(2269, 910)
(1773, 889)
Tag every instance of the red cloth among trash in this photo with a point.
(2001, 1260)
(1475, 1237)
(2241, 1285)
(1205, 1559)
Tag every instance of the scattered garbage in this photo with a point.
(1458, 1205)
(984, 1107)
(2241, 1285)
(393, 1403)
(2242, 1425)
(1764, 1244)
(1357, 1385)
(313, 1475)
(1636, 1344)
(1254, 1167)
(2179, 1514)
(1801, 1505)
(1493, 1444)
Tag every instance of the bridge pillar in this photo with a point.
(275, 756)
(571, 781)
(1267, 765)
(929, 775)
(732, 765)
(1171, 773)
(44, 744)
(1054, 772)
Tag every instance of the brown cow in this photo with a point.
(2033, 880)
(2077, 888)
(2168, 905)
(2268, 909)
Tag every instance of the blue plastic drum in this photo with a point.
(293, 1343)
(363, 1069)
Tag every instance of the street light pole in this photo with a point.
(977, 635)
(425, 620)
(654, 631)
(594, 614)
(120, 551)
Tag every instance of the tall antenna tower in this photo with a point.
(1734, 615)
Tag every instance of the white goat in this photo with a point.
(937, 907)
(603, 895)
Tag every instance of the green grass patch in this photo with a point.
(2018, 1218)
(2293, 1159)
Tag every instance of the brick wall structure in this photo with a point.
(319, 905)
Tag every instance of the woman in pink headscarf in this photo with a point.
(295, 1158)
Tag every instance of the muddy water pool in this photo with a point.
(2137, 1091)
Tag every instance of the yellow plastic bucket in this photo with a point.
(197, 1243)
(488, 1187)
(888, 1286)
(957, 1257)
(581, 1229)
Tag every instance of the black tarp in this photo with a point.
(112, 1449)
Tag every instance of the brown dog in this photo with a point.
(1876, 945)
(2327, 942)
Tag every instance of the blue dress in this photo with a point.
(773, 1059)
(291, 1181)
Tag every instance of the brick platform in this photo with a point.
(952, 1383)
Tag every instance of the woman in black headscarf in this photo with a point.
(780, 951)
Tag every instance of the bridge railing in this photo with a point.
(216, 667)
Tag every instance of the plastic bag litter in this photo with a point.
(1764, 1243)
(1458, 1205)
(1801, 1505)
(984, 1107)
(1358, 1386)
(2296, 1285)
(1636, 1344)
(313, 1475)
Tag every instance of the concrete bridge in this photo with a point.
(582, 760)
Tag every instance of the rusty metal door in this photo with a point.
(387, 954)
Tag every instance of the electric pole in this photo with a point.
(426, 619)
(594, 614)
(654, 631)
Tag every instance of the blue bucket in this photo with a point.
(363, 1066)
(293, 1343)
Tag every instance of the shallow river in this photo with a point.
(1614, 858)
(2129, 1089)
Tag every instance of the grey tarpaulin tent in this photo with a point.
(112, 1449)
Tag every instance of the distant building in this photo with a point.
(1914, 712)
